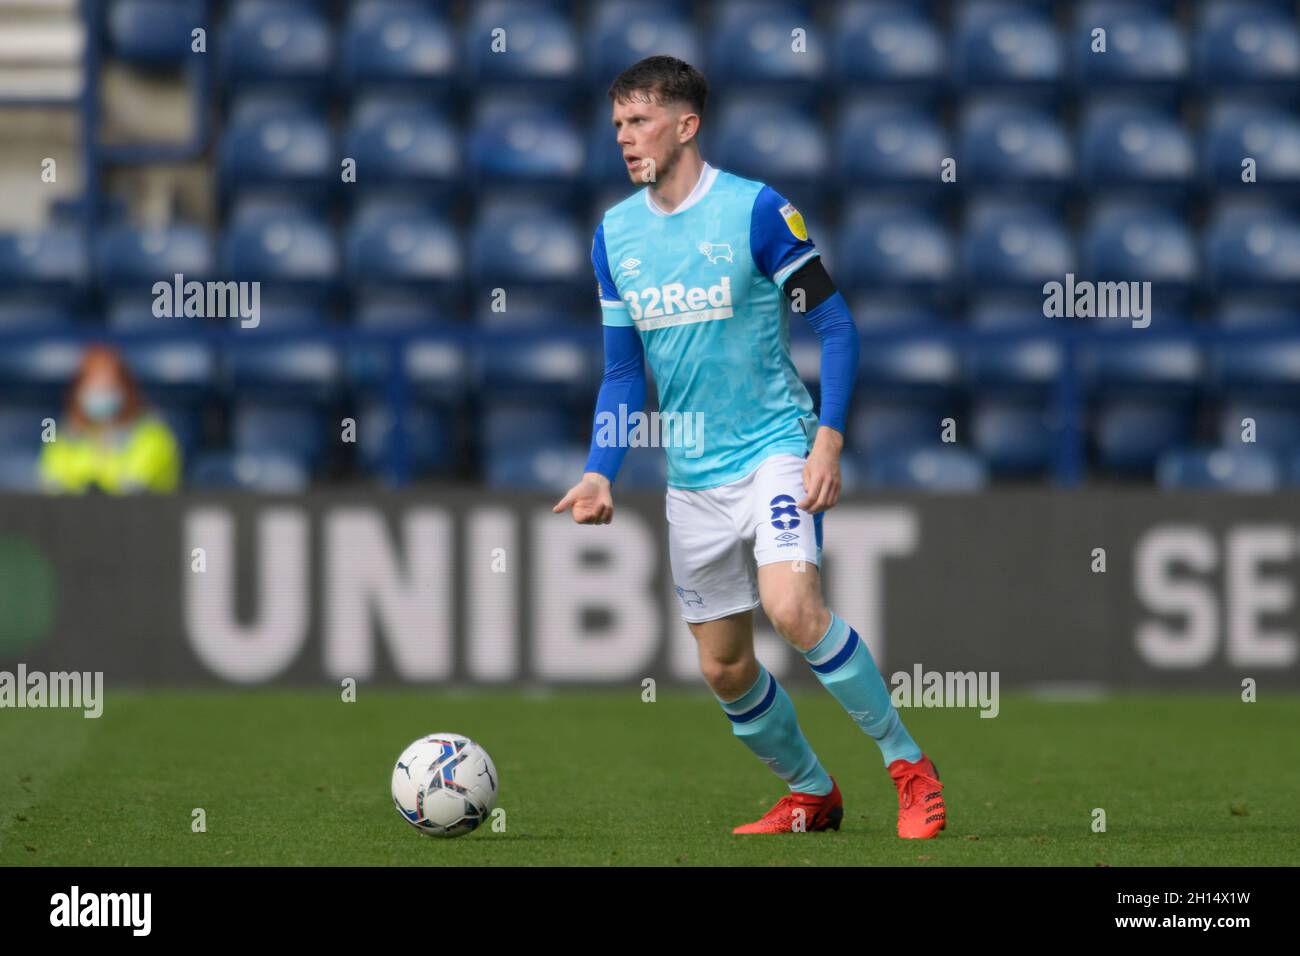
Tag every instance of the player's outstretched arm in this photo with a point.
(592, 499)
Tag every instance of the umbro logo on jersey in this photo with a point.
(631, 268)
(716, 251)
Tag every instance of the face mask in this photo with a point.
(101, 404)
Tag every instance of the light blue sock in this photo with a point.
(843, 664)
(763, 718)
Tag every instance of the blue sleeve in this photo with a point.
(778, 237)
(835, 328)
(623, 384)
(613, 309)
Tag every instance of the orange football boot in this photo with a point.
(819, 813)
(921, 813)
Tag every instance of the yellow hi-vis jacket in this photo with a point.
(143, 456)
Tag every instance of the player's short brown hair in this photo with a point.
(666, 79)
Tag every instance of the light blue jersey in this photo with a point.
(702, 285)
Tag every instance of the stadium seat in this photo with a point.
(1276, 423)
(544, 52)
(1131, 434)
(306, 371)
(1131, 242)
(1254, 250)
(285, 250)
(1250, 48)
(130, 259)
(298, 431)
(890, 148)
(1006, 367)
(888, 46)
(536, 468)
(774, 143)
(519, 144)
(621, 32)
(1014, 248)
(752, 50)
(394, 248)
(45, 271)
(999, 46)
(430, 438)
(1013, 148)
(20, 470)
(521, 364)
(404, 148)
(152, 32)
(878, 424)
(38, 370)
(1138, 150)
(401, 46)
(185, 420)
(1146, 55)
(277, 146)
(1013, 437)
(1260, 367)
(1248, 312)
(887, 246)
(1269, 135)
(277, 45)
(525, 248)
(934, 468)
(21, 424)
(264, 471)
(1239, 469)
(172, 370)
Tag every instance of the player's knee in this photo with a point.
(795, 618)
(727, 679)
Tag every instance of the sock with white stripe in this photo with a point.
(764, 719)
(844, 665)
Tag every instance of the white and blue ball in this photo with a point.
(444, 785)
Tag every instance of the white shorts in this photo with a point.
(718, 537)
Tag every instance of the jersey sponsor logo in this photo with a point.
(794, 222)
(674, 304)
(785, 513)
(716, 251)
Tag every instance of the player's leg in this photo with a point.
(787, 549)
(715, 580)
(761, 712)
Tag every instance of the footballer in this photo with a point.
(691, 273)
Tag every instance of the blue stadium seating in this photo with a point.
(1006, 145)
(405, 148)
(152, 32)
(774, 143)
(298, 431)
(1131, 433)
(1138, 150)
(890, 148)
(529, 249)
(1267, 134)
(1015, 248)
(396, 250)
(520, 144)
(621, 32)
(1255, 248)
(889, 46)
(1276, 423)
(1249, 48)
(400, 46)
(934, 468)
(997, 46)
(277, 45)
(264, 471)
(1239, 469)
(1146, 54)
(1130, 242)
(887, 246)
(38, 370)
(278, 146)
(172, 370)
(429, 436)
(751, 48)
(130, 259)
(1013, 437)
(542, 47)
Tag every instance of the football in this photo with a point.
(444, 785)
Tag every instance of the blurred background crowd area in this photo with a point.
(478, 170)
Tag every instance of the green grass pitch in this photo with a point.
(597, 778)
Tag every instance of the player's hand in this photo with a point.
(591, 499)
(821, 472)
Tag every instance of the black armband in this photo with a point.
(815, 282)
